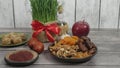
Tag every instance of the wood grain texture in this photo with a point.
(108, 55)
(106, 41)
(88, 10)
(97, 60)
(109, 14)
(69, 11)
(6, 14)
(61, 66)
(119, 17)
(23, 15)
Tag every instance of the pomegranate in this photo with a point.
(80, 28)
(36, 45)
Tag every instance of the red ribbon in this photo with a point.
(38, 27)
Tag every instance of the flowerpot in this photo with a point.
(63, 29)
(42, 35)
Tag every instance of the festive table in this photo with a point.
(108, 56)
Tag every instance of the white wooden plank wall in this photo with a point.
(88, 10)
(109, 14)
(6, 14)
(23, 17)
(69, 11)
(98, 13)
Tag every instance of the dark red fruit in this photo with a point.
(80, 28)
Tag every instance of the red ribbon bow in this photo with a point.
(38, 27)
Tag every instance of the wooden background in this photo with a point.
(98, 13)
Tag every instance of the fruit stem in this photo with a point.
(83, 20)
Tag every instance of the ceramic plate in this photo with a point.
(14, 45)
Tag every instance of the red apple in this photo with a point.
(80, 28)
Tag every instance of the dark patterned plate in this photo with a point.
(21, 63)
(72, 60)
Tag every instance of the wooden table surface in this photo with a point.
(108, 56)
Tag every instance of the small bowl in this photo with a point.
(21, 63)
(72, 60)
